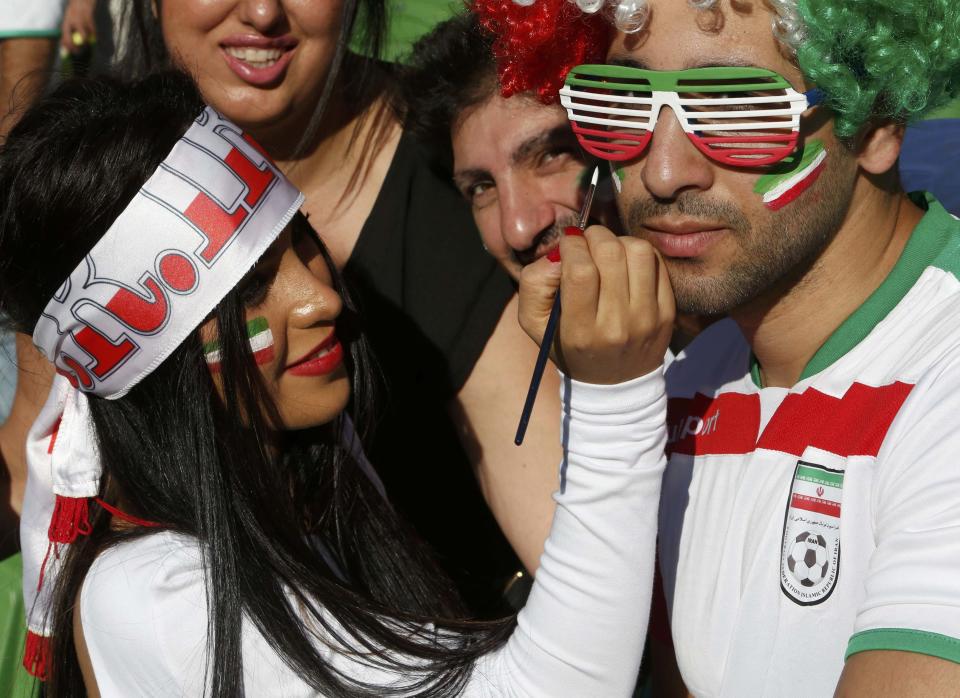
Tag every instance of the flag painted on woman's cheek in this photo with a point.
(261, 344)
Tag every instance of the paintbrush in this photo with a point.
(552, 323)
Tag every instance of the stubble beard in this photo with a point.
(774, 252)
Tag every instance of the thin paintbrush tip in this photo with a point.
(588, 199)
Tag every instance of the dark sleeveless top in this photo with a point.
(429, 298)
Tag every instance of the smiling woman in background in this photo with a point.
(440, 315)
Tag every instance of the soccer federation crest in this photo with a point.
(810, 550)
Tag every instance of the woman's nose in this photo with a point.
(262, 15)
(313, 301)
(672, 162)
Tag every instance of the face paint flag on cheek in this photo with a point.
(261, 345)
(784, 187)
(195, 228)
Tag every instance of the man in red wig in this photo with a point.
(514, 160)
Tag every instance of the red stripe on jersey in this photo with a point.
(727, 424)
(821, 506)
(854, 425)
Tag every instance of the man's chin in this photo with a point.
(698, 292)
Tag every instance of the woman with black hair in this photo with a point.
(303, 79)
(197, 519)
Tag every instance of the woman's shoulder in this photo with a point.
(143, 609)
(148, 562)
(151, 572)
(144, 616)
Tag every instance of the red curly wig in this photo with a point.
(536, 46)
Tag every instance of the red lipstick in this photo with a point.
(323, 359)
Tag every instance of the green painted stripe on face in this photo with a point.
(789, 167)
(617, 174)
(257, 325)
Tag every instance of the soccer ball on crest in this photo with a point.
(807, 560)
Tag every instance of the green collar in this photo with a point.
(926, 245)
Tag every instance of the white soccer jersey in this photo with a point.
(800, 526)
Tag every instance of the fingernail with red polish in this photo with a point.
(572, 230)
(554, 254)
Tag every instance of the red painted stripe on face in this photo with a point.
(264, 356)
(793, 194)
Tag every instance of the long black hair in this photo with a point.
(217, 467)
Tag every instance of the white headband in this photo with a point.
(209, 211)
(195, 228)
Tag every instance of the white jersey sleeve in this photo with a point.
(143, 604)
(911, 600)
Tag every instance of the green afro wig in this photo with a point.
(877, 59)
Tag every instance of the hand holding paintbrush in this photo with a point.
(551, 329)
(618, 308)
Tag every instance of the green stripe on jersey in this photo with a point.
(819, 477)
(935, 242)
(905, 640)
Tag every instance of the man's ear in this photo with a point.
(879, 147)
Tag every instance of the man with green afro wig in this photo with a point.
(809, 540)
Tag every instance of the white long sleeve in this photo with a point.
(143, 606)
(582, 630)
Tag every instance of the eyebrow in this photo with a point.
(464, 178)
(535, 145)
(730, 62)
(523, 153)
